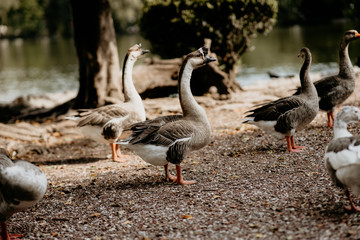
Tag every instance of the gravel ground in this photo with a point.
(248, 185)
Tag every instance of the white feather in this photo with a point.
(93, 132)
(350, 177)
(117, 121)
(72, 118)
(266, 126)
(341, 132)
(345, 157)
(181, 140)
(28, 178)
(346, 163)
(155, 155)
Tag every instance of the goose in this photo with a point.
(105, 124)
(22, 185)
(342, 155)
(334, 90)
(168, 139)
(284, 116)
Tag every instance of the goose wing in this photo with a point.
(333, 97)
(21, 183)
(101, 115)
(342, 152)
(174, 135)
(342, 158)
(273, 110)
(323, 86)
(159, 131)
(5, 160)
(326, 85)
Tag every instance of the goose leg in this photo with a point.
(289, 145)
(117, 149)
(330, 116)
(168, 176)
(352, 207)
(4, 235)
(179, 178)
(116, 154)
(293, 144)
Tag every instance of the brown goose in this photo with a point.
(334, 90)
(286, 115)
(342, 155)
(22, 185)
(105, 124)
(169, 139)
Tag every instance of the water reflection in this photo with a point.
(44, 65)
(278, 51)
(50, 65)
(36, 66)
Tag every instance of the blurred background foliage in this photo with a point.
(36, 18)
(33, 18)
(176, 27)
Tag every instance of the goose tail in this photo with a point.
(74, 118)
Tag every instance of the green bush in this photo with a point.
(176, 27)
(27, 19)
(352, 10)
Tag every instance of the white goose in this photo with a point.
(22, 185)
(285, 116)
(105, 124)
(342, 155)
(169, 139)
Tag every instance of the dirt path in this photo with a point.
(248, 185)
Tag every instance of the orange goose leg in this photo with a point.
(330, 116)
(116, 154)
(4, 235)
(291, 144)
(168, 176)
(179, 178)
(352, 207)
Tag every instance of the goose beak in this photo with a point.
(144, 51)
(209, 59)
(357, 35)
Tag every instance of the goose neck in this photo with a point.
(305, 81)
(345, 66)
(340, 130)
(129, 89)
(188, 103)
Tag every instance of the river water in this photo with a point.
(50, 65)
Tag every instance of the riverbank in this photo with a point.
(248, 185)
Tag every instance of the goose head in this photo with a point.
(199, 57)
(136, 52)
(351, 35)
(348, 114)
(304, 53)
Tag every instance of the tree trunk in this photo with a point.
(160, 82)
(159, 78)
(95, 42)
(212, 75)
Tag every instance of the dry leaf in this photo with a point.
(94, 215)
